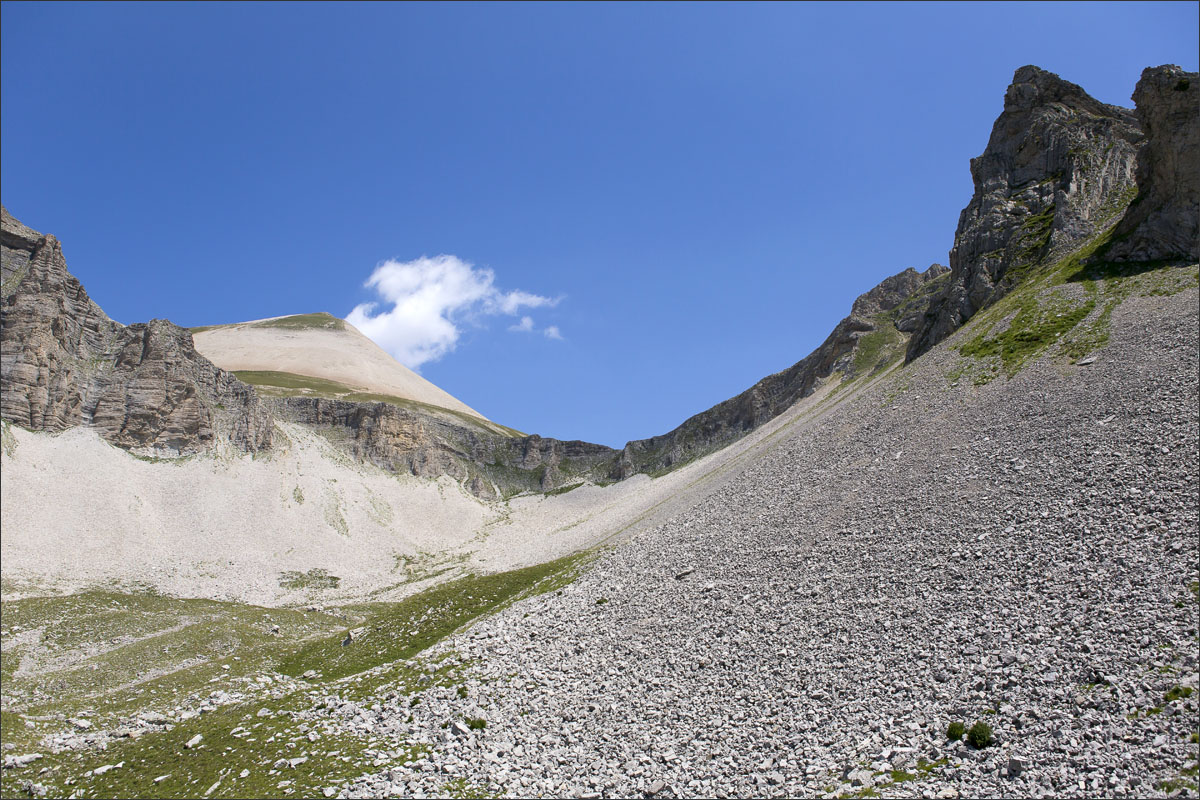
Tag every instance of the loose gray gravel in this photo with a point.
(1020, 553)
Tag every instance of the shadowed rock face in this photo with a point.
(1163, 223)
(1058, 168)
(64, 363)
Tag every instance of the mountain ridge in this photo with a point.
(383, 428)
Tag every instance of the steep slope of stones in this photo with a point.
(1163, 223)
(1058, 168)
(1021, 553)
(65, 363)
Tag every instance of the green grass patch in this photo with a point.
(397, 631)
(110, 656)
(462, 788)
(320, 320)
(315, 578)
(8, 442)
(1034, 235)
(295, 384)
(1067, 302)
(223, 755)
(1177, 693)
(114, 654)
(563, 489)
(879, 348)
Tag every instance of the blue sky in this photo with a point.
(689, 195)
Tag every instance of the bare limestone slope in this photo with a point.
(319, 346)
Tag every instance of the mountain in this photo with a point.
(317, 353)
(950, 553)
(1058, 169)
(181, 394)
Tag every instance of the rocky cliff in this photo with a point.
(429, 445)
(1163, 222)
(1058, 168)
(64, 363)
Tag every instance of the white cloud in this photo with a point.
(524, 326)
(552, 332)
(423, 301)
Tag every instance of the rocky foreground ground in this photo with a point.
(1021, 553)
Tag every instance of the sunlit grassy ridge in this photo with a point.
(321, 319)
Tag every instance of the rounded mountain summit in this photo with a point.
(319, 355)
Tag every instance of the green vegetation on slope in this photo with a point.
(146, 653)
(111, 654)
(322, 319)
(1067, 302)
(396, 631)
(296, 385)
(879, 348)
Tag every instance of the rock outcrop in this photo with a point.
(64, 363)
(1058, 168)
(1163, 222)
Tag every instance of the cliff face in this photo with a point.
(1163, 223)
(1058, 168)
(487, 464)
(64, 363)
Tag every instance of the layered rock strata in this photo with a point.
(64, 363)
(488, 465)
